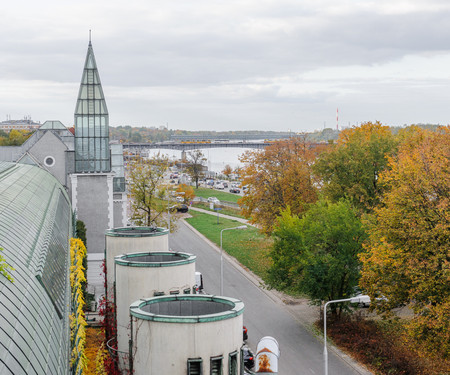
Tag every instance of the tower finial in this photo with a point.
(90, 37)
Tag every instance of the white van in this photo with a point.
(199, 283)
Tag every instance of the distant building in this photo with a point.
(25, 124)
(35, 227)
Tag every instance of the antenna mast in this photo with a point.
(337, 119)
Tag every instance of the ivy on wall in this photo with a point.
(77, 317)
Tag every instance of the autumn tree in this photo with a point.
(408, 254)
(317, 254)
(15, 138)
(227, 170)
(350, 169)
(187, 192)
(278, 177)
(195, 165)
(147, 193)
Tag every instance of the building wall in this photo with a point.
(10, 153)
(50, 146)
(92, 200)
(116, 245)
(134, 283)
(120, 210)
(185, 340)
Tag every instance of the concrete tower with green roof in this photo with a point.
(92, 152)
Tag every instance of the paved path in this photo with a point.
(241, 220)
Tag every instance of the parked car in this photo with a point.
(249, 358)
(235, 190)
(183, 208)
(225, 184)
(364, 300)
(180, 199)
(213, 200)
(220, 187)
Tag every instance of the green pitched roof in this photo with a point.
(35, 227)
(53, 125)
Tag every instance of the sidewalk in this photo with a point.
(241, 220)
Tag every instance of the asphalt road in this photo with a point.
(301, 352)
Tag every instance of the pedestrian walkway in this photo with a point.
(241, 220)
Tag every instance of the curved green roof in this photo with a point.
(187, 308)
(137, 232)
(155, 259)
(35, 227)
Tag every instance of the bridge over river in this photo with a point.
(185, 146)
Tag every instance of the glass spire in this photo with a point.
(91, 122)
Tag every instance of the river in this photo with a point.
(217, 158)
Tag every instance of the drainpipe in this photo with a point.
(130, 346)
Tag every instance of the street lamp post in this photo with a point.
(359, 299)
(221, 255)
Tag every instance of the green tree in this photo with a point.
(147, 192)
(195, 166)
(317, 254)
(136, 137)
(350, 169)
(278, 177)
(408, 254)
(81, 231)
(14, 138)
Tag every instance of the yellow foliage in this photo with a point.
(77, 318)
(102, 354)
(188, 191)
(408, 254)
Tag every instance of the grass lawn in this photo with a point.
(220, 195)
(249, 246)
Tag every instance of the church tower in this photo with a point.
(92, 152)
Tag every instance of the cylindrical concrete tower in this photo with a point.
(186, 334)
(130, 240)
(144, 275)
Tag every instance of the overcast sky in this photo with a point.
(231, 65)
